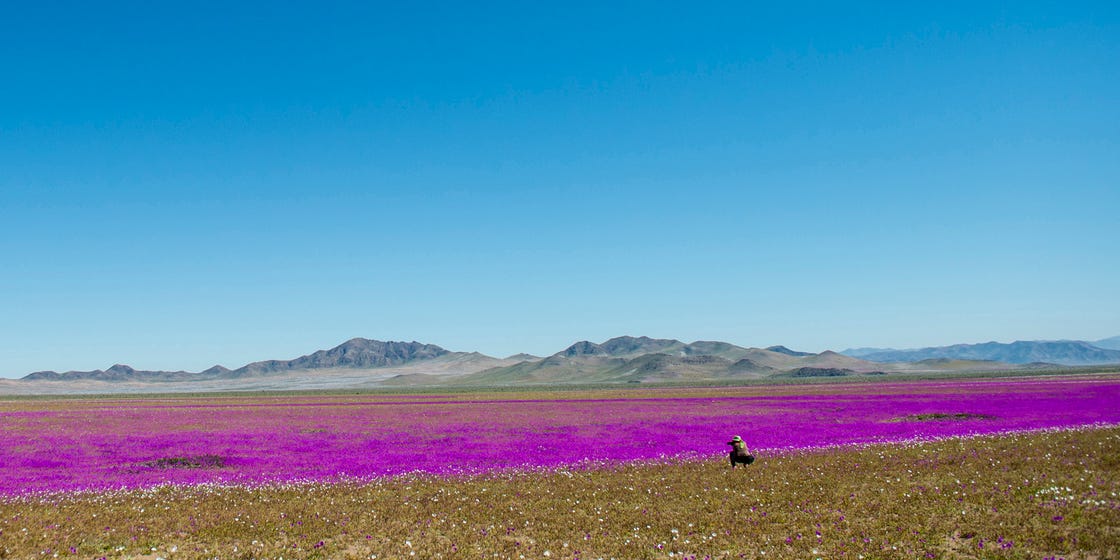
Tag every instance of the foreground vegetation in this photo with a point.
(1034, 495)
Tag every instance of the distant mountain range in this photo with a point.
(1062, 352)
(357, 353)
(1108, 343)
(625, 359)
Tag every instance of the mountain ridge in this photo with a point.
(630, 359)
(356, 353)
(623, 359)
(1061, 352)
(1111, 343)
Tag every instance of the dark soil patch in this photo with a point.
(945, 416)
(191, 462)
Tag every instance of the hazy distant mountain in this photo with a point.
(120, 372)
(1019, 352)
(861, 352)
(1108, 343)
(787, 351)
(523, 357)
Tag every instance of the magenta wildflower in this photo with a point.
(102, 445)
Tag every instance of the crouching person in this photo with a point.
(739, 452)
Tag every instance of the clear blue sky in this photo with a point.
(190, 184)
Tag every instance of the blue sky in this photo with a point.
(186, 185)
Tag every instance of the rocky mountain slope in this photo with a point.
(356, 353)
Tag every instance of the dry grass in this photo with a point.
(1016, 496)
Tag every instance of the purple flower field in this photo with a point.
(98, 444)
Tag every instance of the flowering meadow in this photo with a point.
(1010, 468)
